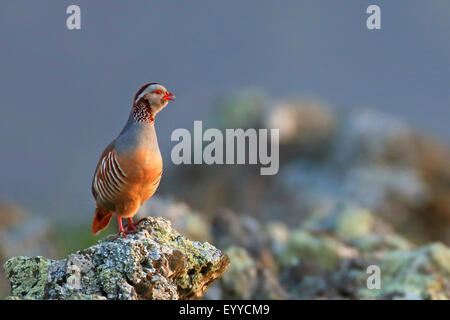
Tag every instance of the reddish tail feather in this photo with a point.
(101, 220)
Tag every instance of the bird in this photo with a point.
(130, 168)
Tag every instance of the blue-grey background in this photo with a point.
(66, 94)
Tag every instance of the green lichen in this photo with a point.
(373, 244)
(155, 263)
(440, 255)
(322, 249)
(198, 255)
(241, 260)
(195, 251)
(346, 222)
(197, 228)
(109, 280)
(420, 274)
(354, 223)
(28, 276)
(240, 277)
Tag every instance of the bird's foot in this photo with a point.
(131, 227)
(128, 230)
(124, 233)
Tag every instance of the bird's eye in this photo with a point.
(158, 91)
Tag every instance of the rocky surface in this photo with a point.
(357, 191)
(155, 263)
(23, 234)
(328, 257)
(356, 188)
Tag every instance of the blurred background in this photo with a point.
(363, 118)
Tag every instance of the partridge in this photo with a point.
(130, 168)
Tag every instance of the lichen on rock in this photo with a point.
(155, 263)
(27, 276)
(419, 274)
(241, 278)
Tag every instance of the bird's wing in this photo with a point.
(109, 178)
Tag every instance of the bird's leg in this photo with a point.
(131, 226)
(134, 225)
(121, 229)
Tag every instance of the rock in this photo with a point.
(419, 274)
(310, 189)
(332, 262)
(230, 229)
(248, 278)
(28, 276)
(306, 127)
(278, 235)
(23, 234)
(269, 287)
(253, 269)
(366, 136)
(240, 280)
(345, 222)
(155, 263)
(434, 168)
(324, 250)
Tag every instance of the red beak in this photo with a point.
(169, 96)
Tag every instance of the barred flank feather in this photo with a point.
(109, 178)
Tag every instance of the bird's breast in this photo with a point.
(142, 165)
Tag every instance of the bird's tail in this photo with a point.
(101, 220)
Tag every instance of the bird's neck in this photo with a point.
(142, 112)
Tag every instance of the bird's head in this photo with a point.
(152, 98)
